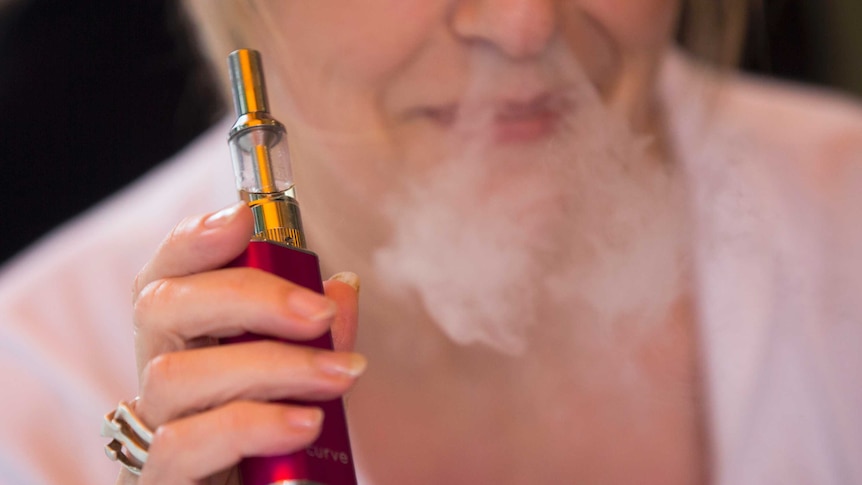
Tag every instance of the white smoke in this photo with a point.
(497, 240)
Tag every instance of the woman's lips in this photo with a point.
(526, 122)
(507, 121)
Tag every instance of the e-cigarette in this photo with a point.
(261, 161)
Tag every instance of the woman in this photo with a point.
(585, 258)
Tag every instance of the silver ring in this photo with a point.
(130, 437)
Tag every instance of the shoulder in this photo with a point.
(815, 122)
(768, 110)
(807, 136)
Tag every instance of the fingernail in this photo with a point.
(341, 363)
(311, 306)
(305, 417)
(347, 277)
(223, 216)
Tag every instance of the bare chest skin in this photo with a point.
(619, 409)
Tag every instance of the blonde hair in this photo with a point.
(714, 30)
(222, 26)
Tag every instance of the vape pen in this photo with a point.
(261, 161)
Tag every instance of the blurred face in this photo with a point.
(513, 130)
(403, 75)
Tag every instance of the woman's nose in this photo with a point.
(518, 28)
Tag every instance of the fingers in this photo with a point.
(178, 384)
(171, 312)
(198, 244)
(177, 300)
(186, 451)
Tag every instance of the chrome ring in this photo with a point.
(130, 437)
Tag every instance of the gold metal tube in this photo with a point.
(264, 168)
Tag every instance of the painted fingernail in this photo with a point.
(347, 277)
(311, 306)
(223, 216)
(305, 417)
(341, 363)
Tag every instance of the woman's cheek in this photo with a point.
(343, 54)
(368, 41)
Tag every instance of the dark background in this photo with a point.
(95, 92)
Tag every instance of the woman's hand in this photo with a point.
(209, 405)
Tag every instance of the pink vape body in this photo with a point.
(328, 461)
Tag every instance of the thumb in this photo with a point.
(343, 288)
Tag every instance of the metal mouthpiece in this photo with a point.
(261, 156)
(246, 78)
